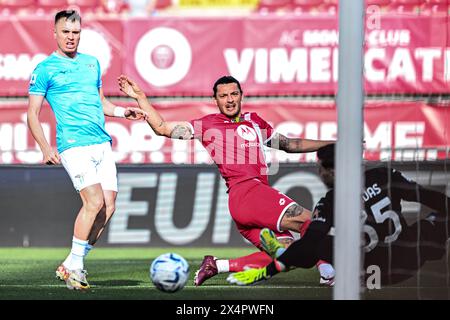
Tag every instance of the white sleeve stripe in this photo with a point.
(248, 118)
(270, 138)
(37, 93)
(280, 217)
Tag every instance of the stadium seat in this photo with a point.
(407, 2)
(51, 6)
(383, 5)
(84, 6)
(268, 6)
(16, 3)
(85, 3)
(16, 6)
(330, 6)
(435, 7)
(447, 2)
(306, 6)
(114, 6)
(378, 2)
(406, 6)
(53, 3)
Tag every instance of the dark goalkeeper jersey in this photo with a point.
(384, 222)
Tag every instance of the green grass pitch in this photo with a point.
(123, 274)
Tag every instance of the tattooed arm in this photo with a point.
(175, 130)
(296, 145)
(180, 130)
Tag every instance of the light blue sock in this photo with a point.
(77, 253)
(89, 247)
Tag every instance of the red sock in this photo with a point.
(321, 262)
(255, 260)
(304, 227)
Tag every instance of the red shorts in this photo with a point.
(255, 205)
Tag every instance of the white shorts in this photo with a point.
(90, 165)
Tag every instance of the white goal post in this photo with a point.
(349, 179)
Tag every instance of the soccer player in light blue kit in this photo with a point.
(71, 83)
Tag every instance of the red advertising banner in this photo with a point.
(408, 55)
(392, 131)
(28, 41)
(289, 55)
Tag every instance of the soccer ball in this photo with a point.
(169, 272)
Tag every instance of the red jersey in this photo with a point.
(235, 146)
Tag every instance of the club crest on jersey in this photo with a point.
(33, 78)
(246, 132)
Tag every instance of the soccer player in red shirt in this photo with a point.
(235, 140)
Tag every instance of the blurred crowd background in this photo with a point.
(142, 8)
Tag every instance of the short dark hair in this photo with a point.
(225, 80)
(71, 15)
(326, 156)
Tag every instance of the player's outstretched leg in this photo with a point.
(247, 277)
(208, 269)
(270, 243)
(77, 280)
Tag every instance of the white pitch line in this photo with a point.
(151, 287)
(211, 287)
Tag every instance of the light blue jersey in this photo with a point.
(71, 88)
